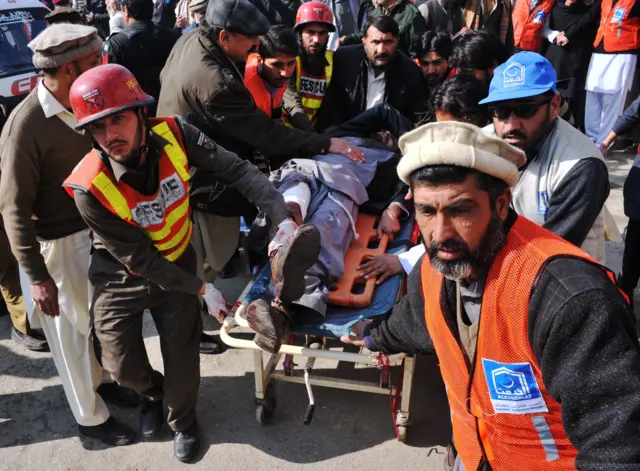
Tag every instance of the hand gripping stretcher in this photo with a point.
(353, 301)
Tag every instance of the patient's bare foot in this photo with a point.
(292, 260)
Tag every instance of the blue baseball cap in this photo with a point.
(524, 75)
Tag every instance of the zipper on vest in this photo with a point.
(472, 371)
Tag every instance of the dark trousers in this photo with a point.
(118, 304)
(631, 259)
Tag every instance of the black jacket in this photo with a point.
(279, 12)
(143, 48)
(582, 333)
(164, 13)
(100, 19)
(346, 95)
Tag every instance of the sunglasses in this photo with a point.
(524, 110)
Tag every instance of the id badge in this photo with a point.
(618, 15)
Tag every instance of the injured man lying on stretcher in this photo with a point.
(327, 192)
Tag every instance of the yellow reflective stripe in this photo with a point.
(311, 103)
(328, 70)
(173, 150)
(175, 240)
(169, 221)
(298, 72)
(173, 256)
(113, 196)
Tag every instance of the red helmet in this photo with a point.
(314, 12)
(104, 91)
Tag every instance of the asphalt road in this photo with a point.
(350, 430)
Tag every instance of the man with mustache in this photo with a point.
(564, 183)
(39, 147)
(132, 190)
(202, 82)
(537, 346)
(432, 52)
(372, 73)
(267, 72)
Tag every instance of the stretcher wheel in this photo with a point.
(266, 407)
(401, 433)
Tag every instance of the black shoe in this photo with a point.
(118, 395)
(186, 443)
(31, 341)
(210, 345)
(111, 432)
(270, 323)
(227, 271)
(151, 417)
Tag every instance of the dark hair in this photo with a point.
(437, 41)
(139, 9)
(478, 50)
(459, 96)
(51, 71)
(279, 40)
(446, 174)
(383, 23)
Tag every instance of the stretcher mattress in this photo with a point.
(340, 319)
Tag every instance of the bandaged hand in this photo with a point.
(216, 305)
(286, 230)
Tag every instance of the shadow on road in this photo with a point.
(345, 421)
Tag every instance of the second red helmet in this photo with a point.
(314, 12)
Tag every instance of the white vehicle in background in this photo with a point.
(20, 22)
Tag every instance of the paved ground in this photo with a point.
(350, 430)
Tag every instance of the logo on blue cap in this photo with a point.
(513, 75)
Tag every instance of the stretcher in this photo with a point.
(358, 300)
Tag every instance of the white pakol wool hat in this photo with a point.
(461, 144)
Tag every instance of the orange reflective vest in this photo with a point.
(528, 25)
(259, 91)
(312, 89)
(620, 33)
(500, 409)
(164, 217)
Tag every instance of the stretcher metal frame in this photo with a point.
(266, 374)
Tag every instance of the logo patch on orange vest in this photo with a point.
(149, 213)
(513, 388)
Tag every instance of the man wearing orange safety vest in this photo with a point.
(612, 66)
(132, 190)
(268, 71)
(314, 66)
(537, 347)
(529, 18)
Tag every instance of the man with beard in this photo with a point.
(374, 73)
(266, 73)
(532, 336)
(314, 66)
(132, 190)
(564, 183)
(432, 52)
(201, 82)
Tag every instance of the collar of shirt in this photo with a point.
(140, 178)
(389, 10)
(53, 107)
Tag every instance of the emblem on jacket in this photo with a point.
(543, 203)
(513, 388)
(539, 17)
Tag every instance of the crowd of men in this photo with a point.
(157, 126)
